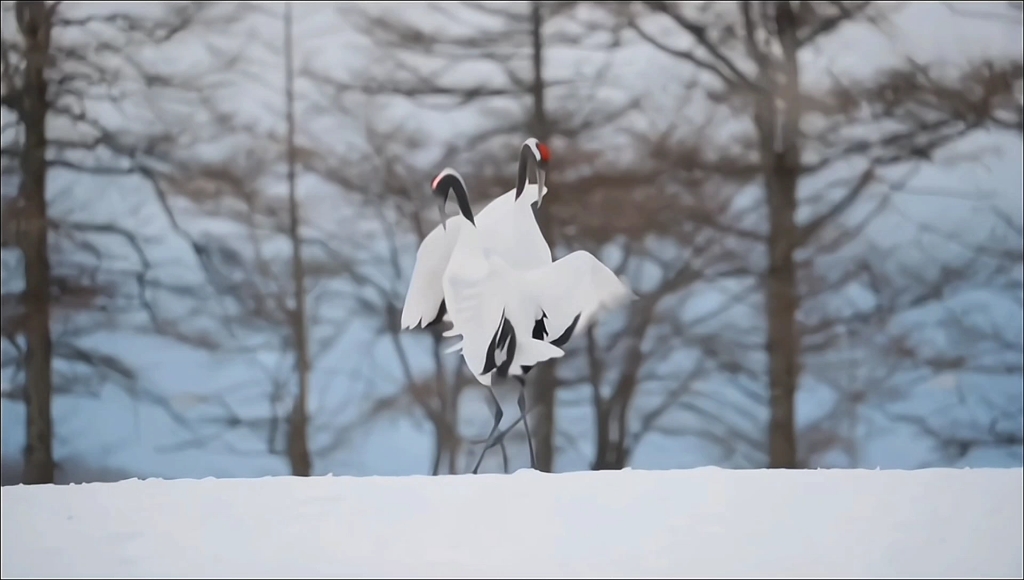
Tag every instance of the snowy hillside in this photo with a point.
(704, 522)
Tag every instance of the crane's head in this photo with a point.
(447, 182)
(536, 155)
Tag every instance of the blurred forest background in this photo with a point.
(211, 211)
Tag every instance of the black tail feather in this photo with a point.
(504, 338)
(567, 334)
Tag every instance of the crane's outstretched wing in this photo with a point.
(482, 302)
(573, 291)
(424, 302)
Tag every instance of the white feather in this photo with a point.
(425, 294)
(481, 290)
(508, 229)
(502, 269)
(576, 284)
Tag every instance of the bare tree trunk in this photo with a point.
(611, 441)
(781, 303)
(450, 449)
(450, 442)
(446, 445)
(613, 450)
(542, 417)
(542, 424)
(780, 158)
(34, 23)
(298, 444)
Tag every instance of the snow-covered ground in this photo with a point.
(705, 522)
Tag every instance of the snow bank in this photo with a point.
(702, 522)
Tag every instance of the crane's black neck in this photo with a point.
(526, 159)
(454, 184)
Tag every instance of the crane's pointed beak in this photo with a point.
(440, 212)
(541, 177)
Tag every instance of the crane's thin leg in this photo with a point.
(499, 439)
(501, 434)
(504, 457)
(491, 442)
(526, 424)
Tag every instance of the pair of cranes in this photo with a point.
(491, 275)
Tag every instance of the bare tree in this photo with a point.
(977, 369)
(288, 291)
(691, 231)
(628, 386)
(298, 445)
(936, 356)
(373, 174)
(35, 24)
(800, 133)
(67, 65)
(521, 34)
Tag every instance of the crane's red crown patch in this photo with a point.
(545, 153)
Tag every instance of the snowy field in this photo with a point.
(705, 522)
